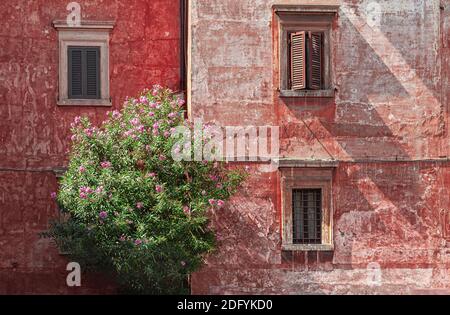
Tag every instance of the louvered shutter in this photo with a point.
(315, 61)
(75, 73)
(92, 73)
(84, 72)
(298, 71)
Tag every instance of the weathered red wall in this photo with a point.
(392, 103)
(34, 131)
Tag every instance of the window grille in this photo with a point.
(307, 216)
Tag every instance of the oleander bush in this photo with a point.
(133, 211)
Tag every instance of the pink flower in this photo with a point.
(181, 102)
(212, 202)
(99, 190)
(103, 215)
(186, 210)
(137, 242)
(86, 190)
(156, 125)
(135, 121)
(155, 132)
(151, 175)
(74, 138)
(166, 134)
(143, 99)
(220, 203)
(83, 195)
(159, 188)
(53, 195)
(151, 114)
(156, 89)
(219, 185)
(89, 132)
(105, 164)
(77, 120)
(116, 114)
(162, 157)
(122, 238)
(172, 115)
(139, 205)
(213, 178)
(82, 169)
(128, 133)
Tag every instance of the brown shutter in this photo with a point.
(298, 73)
(315, 61)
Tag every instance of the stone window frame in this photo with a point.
(315, 18)
(88, 34)
(306, 177)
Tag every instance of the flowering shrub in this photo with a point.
(134, 211)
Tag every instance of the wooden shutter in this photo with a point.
(92, 73)
(298, 69)
(315, 61)
(75, 73)
(84, 72)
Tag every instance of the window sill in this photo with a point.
(87, 102)
(307, 93)
(308, 248)
(297, 163)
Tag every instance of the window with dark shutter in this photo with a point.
(306, 60)
(307, 216)
(84, 72)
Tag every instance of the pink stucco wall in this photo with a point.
(387, 126)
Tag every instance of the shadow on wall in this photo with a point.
(387, 108)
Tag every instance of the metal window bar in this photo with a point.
(307, 216)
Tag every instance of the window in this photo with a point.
(307, 216)
(445, 220)
(306, 207)
(84, 72)
(84, 63)
(305, 50)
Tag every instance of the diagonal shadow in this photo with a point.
(375, 105)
